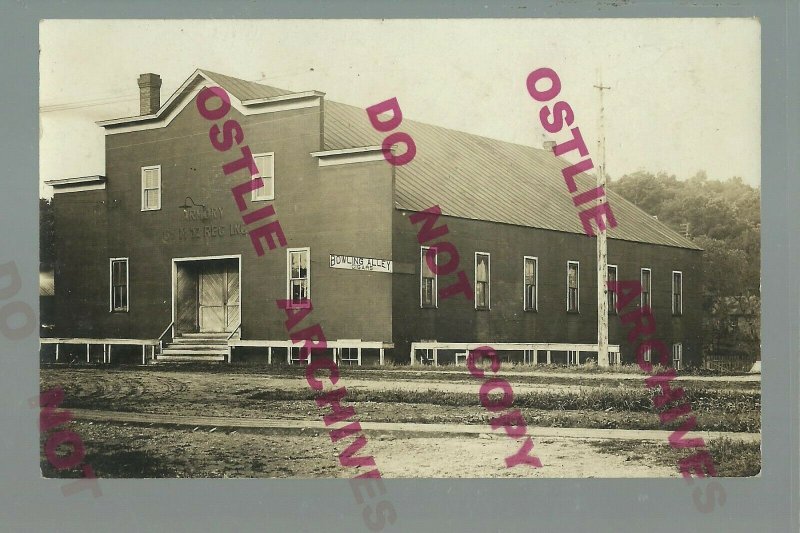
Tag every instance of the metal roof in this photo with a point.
(470, 176)
(479, 178)
(244, 90)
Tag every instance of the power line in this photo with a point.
(86, 103)
(101, 101)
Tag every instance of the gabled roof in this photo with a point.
(247, 92)
(467, 175)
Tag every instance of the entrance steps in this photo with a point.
(196, 347)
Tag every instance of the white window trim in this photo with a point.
(672, 296)
(535, 307)
(111, 285)
(160, 187)
(613, 310)
(578, 292)
(488, 280)
(679, 353)
(254, 193)
(289, 251)
(649, 288)
(422, 252)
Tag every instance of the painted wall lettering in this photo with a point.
(270, 233)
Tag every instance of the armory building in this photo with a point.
(157, 253)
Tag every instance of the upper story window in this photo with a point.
(645, 299)
(677, 292)
(266, 169)
(298, 277)
(612, 295)
(530, 268)
(428, 282)
(573, 286)
(482, 276)
(118, 283)
(151, 188)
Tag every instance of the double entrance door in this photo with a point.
(218, 296)
(207, 295)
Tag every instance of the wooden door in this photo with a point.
(218, 291)
(231, 295)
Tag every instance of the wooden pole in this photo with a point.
(602, 250)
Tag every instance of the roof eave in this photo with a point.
(76, 180)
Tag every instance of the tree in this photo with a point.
(724, 219)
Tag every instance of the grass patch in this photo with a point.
(631, 400)
(715, 410)
(732, 458)
(281, 368)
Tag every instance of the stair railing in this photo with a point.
(230, 349)
(161, 337)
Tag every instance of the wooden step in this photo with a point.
(199, 350)
(187, 358)
(210, 335)
(200, 341)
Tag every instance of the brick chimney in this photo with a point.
(149, 94)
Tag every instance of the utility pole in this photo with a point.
(602, 250)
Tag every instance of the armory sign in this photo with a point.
(350, 262)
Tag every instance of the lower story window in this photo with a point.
(612, 295)
(482, 276)
(573, 286)
(298, 277)
(677, 356)
(119, 284)
(530, 267)
(427, 295)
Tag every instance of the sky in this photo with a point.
(684, 95)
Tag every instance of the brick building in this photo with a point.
(157, 248)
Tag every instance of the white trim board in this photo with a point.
(346, 156)
(77, 184)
